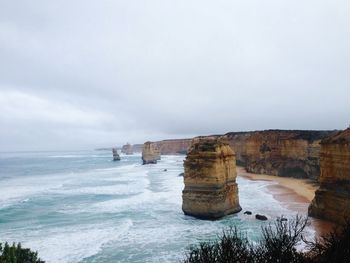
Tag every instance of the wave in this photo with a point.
(73, 244)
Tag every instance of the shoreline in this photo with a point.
(293, 193)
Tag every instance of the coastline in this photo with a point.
(295, 194)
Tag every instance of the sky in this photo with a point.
(88, 74)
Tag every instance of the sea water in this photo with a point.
(83, 207)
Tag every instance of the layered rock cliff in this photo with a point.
(137, 148)
(210, 180)
(332, 199)
(175, 146)
(127, 149)
(279, 152)
(150, 153)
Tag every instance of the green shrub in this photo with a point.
(277, 245)
(17, 254)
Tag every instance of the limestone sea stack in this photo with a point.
(127, 149)
(332, 199)
(116, 156)
(150, 153)
(210, 179)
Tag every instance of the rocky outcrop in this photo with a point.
(175, 146)
(332, 199)
(150, 153)
(116, 156)
(127, 149)
(210, 179)
(279, 152)
(166, 147)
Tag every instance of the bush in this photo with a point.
(17, 254)
(332, 247)
(277, 245)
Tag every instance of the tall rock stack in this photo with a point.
(332, 199)
(210, 179)
(150, 153)
(116, 156)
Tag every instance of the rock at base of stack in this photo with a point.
(332, 199)
(210, 189)
(116, 156)
(150, 153)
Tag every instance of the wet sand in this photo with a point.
(294, 194)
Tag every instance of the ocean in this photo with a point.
(83, 207)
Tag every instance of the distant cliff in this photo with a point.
(291, 153)
(332, 199)
(279, 152)
(175, 146)
(127, 149)
(137, 148)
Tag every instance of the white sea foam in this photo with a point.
(140, 221)
(72, 244)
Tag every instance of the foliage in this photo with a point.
(332, 247)
(277, 245)
(17, 254)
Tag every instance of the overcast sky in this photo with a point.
(86, 74)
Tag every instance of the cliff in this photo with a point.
(332, 199)
(127, 149)
(137, 148)
(175, 146)
(210, 179)
(150, 153)
(289, 153)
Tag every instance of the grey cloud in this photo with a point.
(161, 69)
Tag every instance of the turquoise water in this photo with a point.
(83, 207)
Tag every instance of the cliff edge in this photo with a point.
(332, 199)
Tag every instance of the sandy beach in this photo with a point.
(295, 194)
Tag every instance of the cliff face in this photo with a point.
(150, 153)
(137, 148)
(278, 152)
(210, 180)
(332, 199)
(176, 146)
(127, 149)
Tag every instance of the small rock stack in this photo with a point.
(150, 153)
(210, 189)
(116, 156)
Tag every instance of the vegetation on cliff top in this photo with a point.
(278, 245)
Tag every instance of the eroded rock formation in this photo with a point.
(332, 199)
(279, 152)
(210, 179)
(150, 153)
(175, 146)
(116, 156)
(127, 149)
